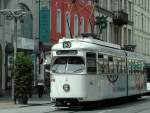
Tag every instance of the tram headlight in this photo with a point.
(66, 87)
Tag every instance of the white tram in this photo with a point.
(88, 70)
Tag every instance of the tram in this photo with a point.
(147, 71)
(85, 70)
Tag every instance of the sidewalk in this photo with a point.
(7, 102)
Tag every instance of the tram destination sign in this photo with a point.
(66, 44)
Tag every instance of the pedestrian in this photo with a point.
(40, 88)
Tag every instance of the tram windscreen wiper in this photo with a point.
(80, 70)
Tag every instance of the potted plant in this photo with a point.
(23, 71)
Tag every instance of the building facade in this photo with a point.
(27, 34)
(119, 15)
(70, 18)
(142, 26)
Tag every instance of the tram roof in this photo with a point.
(94, 44)
(134, 55)
(85, 43)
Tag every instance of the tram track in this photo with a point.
(130, 106)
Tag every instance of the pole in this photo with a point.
(15, 51)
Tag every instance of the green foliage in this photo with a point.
(23, 72)
(101, 22)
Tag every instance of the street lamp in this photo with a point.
(14, 14)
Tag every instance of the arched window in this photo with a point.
(26, 23)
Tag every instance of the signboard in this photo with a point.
(25, 43)
(44, 20)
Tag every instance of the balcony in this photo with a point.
(120, 18)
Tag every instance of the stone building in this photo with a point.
(27, 36)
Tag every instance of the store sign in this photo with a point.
(44, 20)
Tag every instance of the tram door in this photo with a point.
(147, 70)
(92, 72)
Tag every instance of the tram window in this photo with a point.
(131, 71)
(116, 65)
(59, 65)
(68, 65)
(136, 67)
(105, 64)
(100, 56)
(122, 65)
(91, 63)
(141, 68)
(75, 65)
(111, 64)
(129, 66)
(132, 67)
(100, 63)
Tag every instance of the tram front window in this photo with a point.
(68, 65)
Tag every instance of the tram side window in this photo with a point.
(132, 67)
(123, 61)
(116, 65)
(111, 64)
(105, 64)
(119, 65)
(100, 63)
(91, 63)
(141, 68)
(129, 66)
(136, 70)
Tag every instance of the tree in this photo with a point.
(101, 22)
(22, 74)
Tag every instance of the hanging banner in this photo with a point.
(44, 20)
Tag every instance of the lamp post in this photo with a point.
(14, 14)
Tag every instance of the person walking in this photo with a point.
(40, 87)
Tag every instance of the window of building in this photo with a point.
(130, 10)
(26, 24)
(129, 36)
(0, 14)
(111, 5)
(120, 5)
(58, 21)
(125, 5)
(105, 4)
(111, 33)
(82, 25)
(104, 35)
(89, 27)
(67, 25)
(125, 35)
(75, 25)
